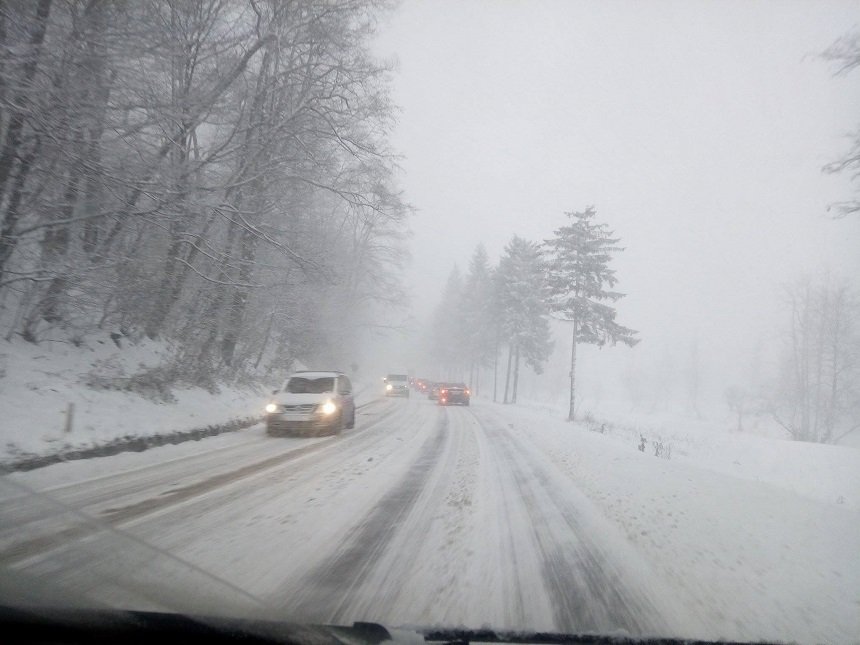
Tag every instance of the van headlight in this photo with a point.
(271, 407)
(328, 408)
(389, 387)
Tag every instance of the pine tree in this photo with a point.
(521, 298)
(477, 308)
(579, 281)
(448, 339)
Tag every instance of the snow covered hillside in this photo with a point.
(113, 393)
(40, 383)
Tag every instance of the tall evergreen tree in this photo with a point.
(448, 339)
(521, 293)
(478, 318)
(579, 283)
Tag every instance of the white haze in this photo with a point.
(697, 129)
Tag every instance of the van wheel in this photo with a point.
(351, 421)
(337, 427)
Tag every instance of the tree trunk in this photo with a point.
(8, 238)
(508, 373)
(516, 373)
(836, 356)
(266, 340)
(16, 122)
(571, 411)
(55, 247)
(241, 294)
(496, 368)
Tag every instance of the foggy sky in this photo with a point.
(697, 129)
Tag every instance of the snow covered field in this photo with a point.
(492, 515)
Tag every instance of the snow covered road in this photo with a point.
(421, 515)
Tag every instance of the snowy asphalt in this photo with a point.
(421, 516)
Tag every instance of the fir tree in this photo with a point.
(478, 315)
(448, 339)
(579, 283)
(521, 298)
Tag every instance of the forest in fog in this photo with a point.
(214, 174)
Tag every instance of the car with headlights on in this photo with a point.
(454, 394)
(397, 385)
(311, 404)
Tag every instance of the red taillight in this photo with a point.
(444, 392)
(468, 393)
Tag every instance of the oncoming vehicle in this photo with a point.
(397, 385)
(454, 394)
(311, 403)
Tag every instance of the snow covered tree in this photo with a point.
(447, 336)
(578, 283)
(214, 174)
(818, 394)
(845, 52)
(522, 308)
(478, 318)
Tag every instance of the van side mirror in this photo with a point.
(275, 391)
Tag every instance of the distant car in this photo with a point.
(433, 391)
(311, 403)
(397, 385)
(454, 394)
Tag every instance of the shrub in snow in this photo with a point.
(151, 383)
(661, 449)
(595, 425)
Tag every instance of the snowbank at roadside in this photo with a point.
(817, 471)
(41, 384)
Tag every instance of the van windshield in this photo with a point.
(397, 377)
(304, 385)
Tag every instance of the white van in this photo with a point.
(311, 403)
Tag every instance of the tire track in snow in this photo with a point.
(424, 562)
(80, 524)
(588, 589)
(324, 594)
(467, 567)
(311, 453)
(141, 564)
